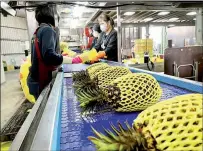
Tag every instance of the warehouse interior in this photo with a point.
(171, 33)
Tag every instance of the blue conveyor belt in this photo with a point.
(76, 128)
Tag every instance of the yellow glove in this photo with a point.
(84, 57)
(101, 54)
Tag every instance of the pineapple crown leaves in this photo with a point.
(83, 80)
(120, 139)
(113, 95)
(80, 76)
(91, 98)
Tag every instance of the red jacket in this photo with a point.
(89, 40)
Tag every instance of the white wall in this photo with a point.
(14, 36)
(179, 34)
(2, 73)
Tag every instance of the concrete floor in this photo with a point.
(11, 96)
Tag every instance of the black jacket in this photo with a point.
(48, 47)
(94, 43)
(110, 45)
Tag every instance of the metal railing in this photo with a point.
(194, 70)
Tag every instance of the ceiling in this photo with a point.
(76, 16)
(147, 12)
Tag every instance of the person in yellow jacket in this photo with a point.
(24, 71)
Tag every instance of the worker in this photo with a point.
(108, 44)
(91, 31)
(87, 38)
(44, 56)
(96, 34)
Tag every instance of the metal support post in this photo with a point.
(196, 71)
(119, 34)
(199, 27)
(147, 31)
(139, 32)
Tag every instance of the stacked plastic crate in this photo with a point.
(142, 46)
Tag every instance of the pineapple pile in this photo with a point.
(173, 125)
(117, 87)
(137, 92)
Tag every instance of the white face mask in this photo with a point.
(95, 34)
(103, 27)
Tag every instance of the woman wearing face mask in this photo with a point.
(44, 57)
(96, 34)
(108, 44)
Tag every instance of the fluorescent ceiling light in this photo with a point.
(171, 25)
(163, 13)
(191, 13)
(148, 19)
(173, 19)
(83, 3)
(194, 19)
(102, 4)
(129, 13)
(115, 20)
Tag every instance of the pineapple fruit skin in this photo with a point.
(94, 69)
(105, 77)
(138, 91)
(175, 124)
(91, 67)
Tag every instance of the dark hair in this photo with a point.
(106, 18)
(45, 14)
(96, 27)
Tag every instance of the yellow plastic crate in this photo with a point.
(10, 67)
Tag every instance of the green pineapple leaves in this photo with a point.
(120, 139)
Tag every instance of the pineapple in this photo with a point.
(94, 70)
(105, 77)
(173, 125)
(83, 77)
(80, 76)
(137, 92)
(91, 67)
(130, 92)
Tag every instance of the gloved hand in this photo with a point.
(64, 54)
(76, 60)
(84, 57)
(67, 60)
(101, 54)
(96, 59)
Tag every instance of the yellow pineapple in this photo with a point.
(137, 91)
(93, 70)
(91, 67)
(106, 76)
(173, 125)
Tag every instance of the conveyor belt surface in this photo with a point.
(75, 128)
